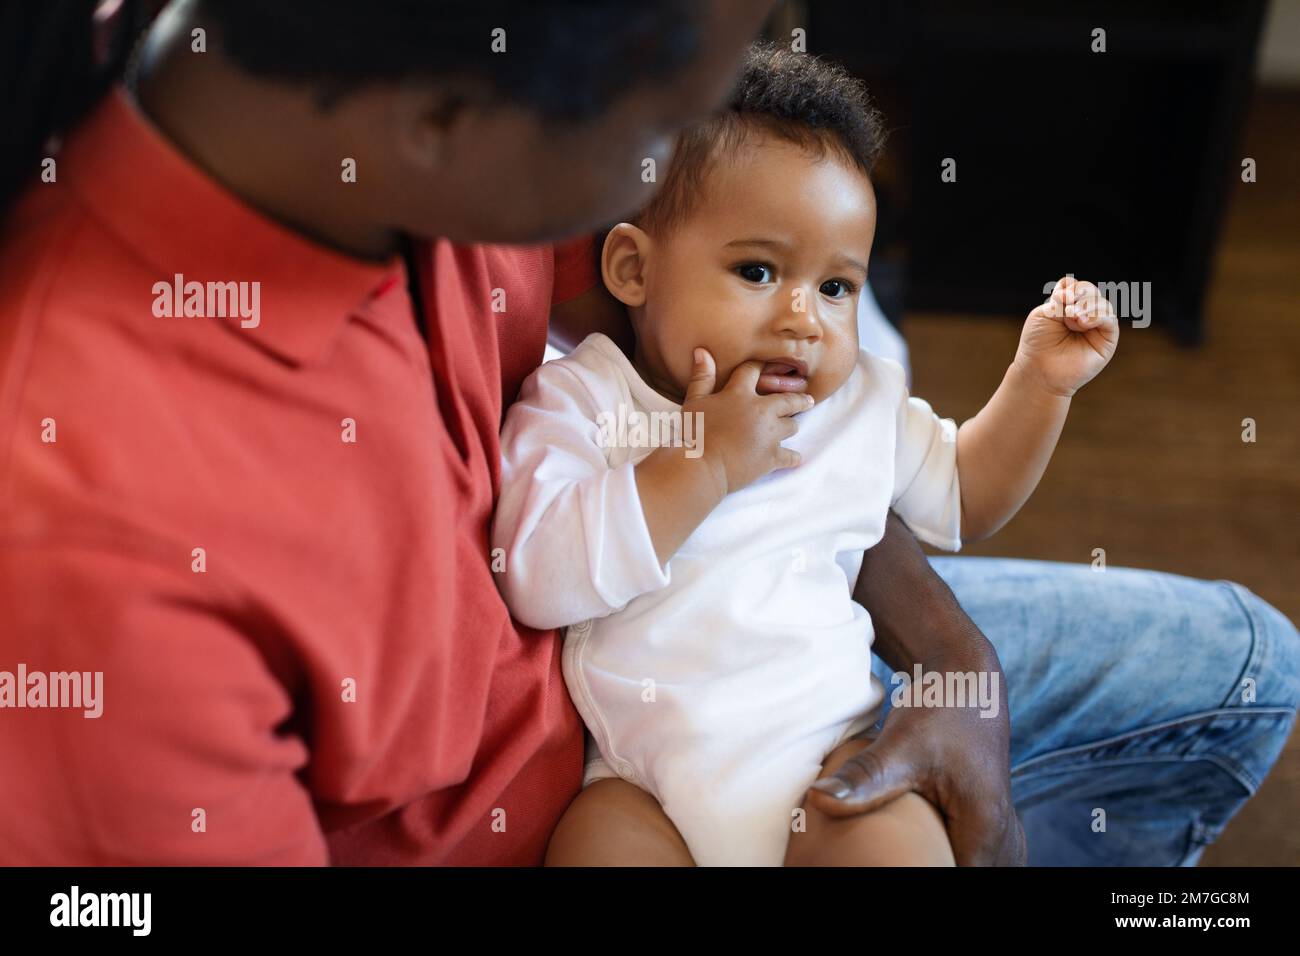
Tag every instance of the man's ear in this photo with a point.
(623, 263)
(425, 118)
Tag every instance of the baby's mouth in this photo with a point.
(783, 375)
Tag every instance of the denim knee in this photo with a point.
(1274, 663)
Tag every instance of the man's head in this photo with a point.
(473, 120)
(499, 121)
(757, 245)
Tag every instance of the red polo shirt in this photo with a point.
(268, 532)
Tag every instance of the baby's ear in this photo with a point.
(623, 261)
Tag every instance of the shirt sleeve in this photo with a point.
(927, 493)
(574, 537)
(188, 761)
(575, 269)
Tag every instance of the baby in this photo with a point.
(704, 567)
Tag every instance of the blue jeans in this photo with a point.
(1129, 692)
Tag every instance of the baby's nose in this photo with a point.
(800, 318)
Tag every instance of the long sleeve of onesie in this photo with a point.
(574, 537)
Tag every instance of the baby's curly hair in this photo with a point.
(797, 97)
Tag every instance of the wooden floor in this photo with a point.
(1152, 466)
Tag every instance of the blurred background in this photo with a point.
(1117, 166)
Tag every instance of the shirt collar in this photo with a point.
(179, 220)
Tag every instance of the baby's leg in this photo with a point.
(615, 823)
(907, 831)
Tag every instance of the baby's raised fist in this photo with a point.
(1068, 339)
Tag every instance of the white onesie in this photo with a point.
(719, 682)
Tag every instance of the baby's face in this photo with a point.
(767, 267)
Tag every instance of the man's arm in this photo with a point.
(955, 758)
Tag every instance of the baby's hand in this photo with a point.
(1069, 338)
(743, 430)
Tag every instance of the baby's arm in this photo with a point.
(568, 526)
(1003, 451)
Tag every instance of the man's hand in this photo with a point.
(952, 756)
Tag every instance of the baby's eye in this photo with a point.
(755, 272)
(836, 288)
